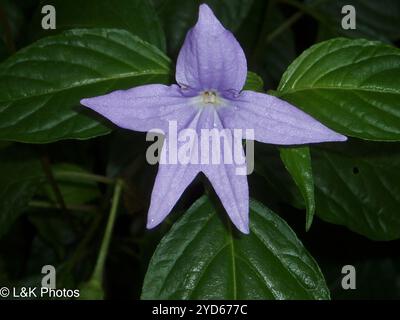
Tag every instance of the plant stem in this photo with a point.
(287, 24)
(307, 9)
(84, 176)
(8, 39)
(81, 249)
(93, 289)
(53, 183)
(99, 268)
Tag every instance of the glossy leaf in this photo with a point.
(297, 161)
(136, 16)
(203, 258)
(351, 86)
(277, 185)
(357, 185)
(20, 176)
(41, 86)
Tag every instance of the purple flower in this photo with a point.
(211, 71)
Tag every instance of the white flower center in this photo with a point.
(210, 97)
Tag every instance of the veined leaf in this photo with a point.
(297, 161)
(352, 86)
(203, 258)
(357, 185)
(41, 86)
(277, 184)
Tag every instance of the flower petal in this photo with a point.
(231, 188)
(275, 121)
(211, 57)
(172, 177)
(143, 108)
(171, 182)
(233, 191)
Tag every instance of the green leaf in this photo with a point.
(297, 161)
(20, 176)
(351, 86)
(375, 20)
(253, 82)
(136, 16)
(203, 258)
(178, 16)
(357, 185)
(277, 185)
(41, 86)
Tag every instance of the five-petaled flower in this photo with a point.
(211, 71)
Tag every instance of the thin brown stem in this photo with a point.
(52, 181)
(284, 26)
(8, 39)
